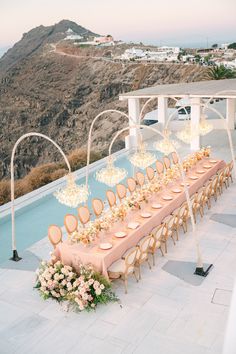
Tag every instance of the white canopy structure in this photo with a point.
(194, 93)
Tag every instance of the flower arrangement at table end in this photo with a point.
(81, 291)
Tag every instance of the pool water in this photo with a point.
(32, 221)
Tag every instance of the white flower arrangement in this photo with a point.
(83, 291)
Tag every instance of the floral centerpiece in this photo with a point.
(82, 291)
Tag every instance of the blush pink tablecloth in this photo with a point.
(101, 259)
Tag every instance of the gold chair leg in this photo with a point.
(153, 259)
(160, 248)
(135, 275)
(126, 284)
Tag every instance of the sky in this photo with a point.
(176, 22)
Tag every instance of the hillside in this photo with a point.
(44, 90)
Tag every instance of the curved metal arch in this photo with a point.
(15, 255)
(90, 135)
(199, 256)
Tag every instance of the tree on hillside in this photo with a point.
(214, 46)
(220, 72)
(232, 46)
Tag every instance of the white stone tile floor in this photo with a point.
(161, 314)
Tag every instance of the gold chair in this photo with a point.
(169, 222)
(156, 238)
(207, 195)
(159, 167)
(71, 224)
(111, 197)
(220, 180)
(121, 191)
(98, 206)
(215, 187)
(167, 163)
(142, 253)
(181, 218)
(54, 235)
(84, 214)
(174, 158)
(198, 204)
(124, 267)
(131, 183)
(150, 173)
(230, 175)
(140, 178)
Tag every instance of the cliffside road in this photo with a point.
(49, 85)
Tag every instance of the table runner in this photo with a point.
(101, 259)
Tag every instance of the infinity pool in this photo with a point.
(32, 221)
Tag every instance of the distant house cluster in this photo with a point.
(160, 54)
(96, 41)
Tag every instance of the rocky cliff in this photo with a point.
(51, 89)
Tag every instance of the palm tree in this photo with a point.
(220, 72)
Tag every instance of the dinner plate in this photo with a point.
(187, 184)
(120, 234)
(207, 166)
(167, 197)
(145, 214)
(212, 161)
(176, 190)
(133, 225)
(156, 206)
(193, 177)
(200, 171)
(105, 245)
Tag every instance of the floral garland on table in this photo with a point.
(119, 212)
(83, 291)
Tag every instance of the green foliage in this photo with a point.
(219, 73)
(232, 46)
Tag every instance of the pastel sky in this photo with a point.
(150, 21)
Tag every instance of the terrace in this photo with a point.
(169, 310)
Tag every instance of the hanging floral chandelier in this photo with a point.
(166, 145)
(111, 175)
(204, 126)
(142, 158)
(72, 195)
(185, 134)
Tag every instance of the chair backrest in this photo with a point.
(171, 221)
(214, 181)
(111, 197)
(199, 195)
(121, 191)
(183, 210)
(140, 178)
(157, 232)
(166, 161)
(71, 223)
(174, 157)
(150, 173)
(159, 167)
(208, 188)
(144, 244)
(130, 257)
(54, 235)
(131, 183)
(98, 206)
(84, 214)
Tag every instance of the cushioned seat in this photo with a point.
(119, 267)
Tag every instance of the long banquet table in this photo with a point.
(75, 254)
